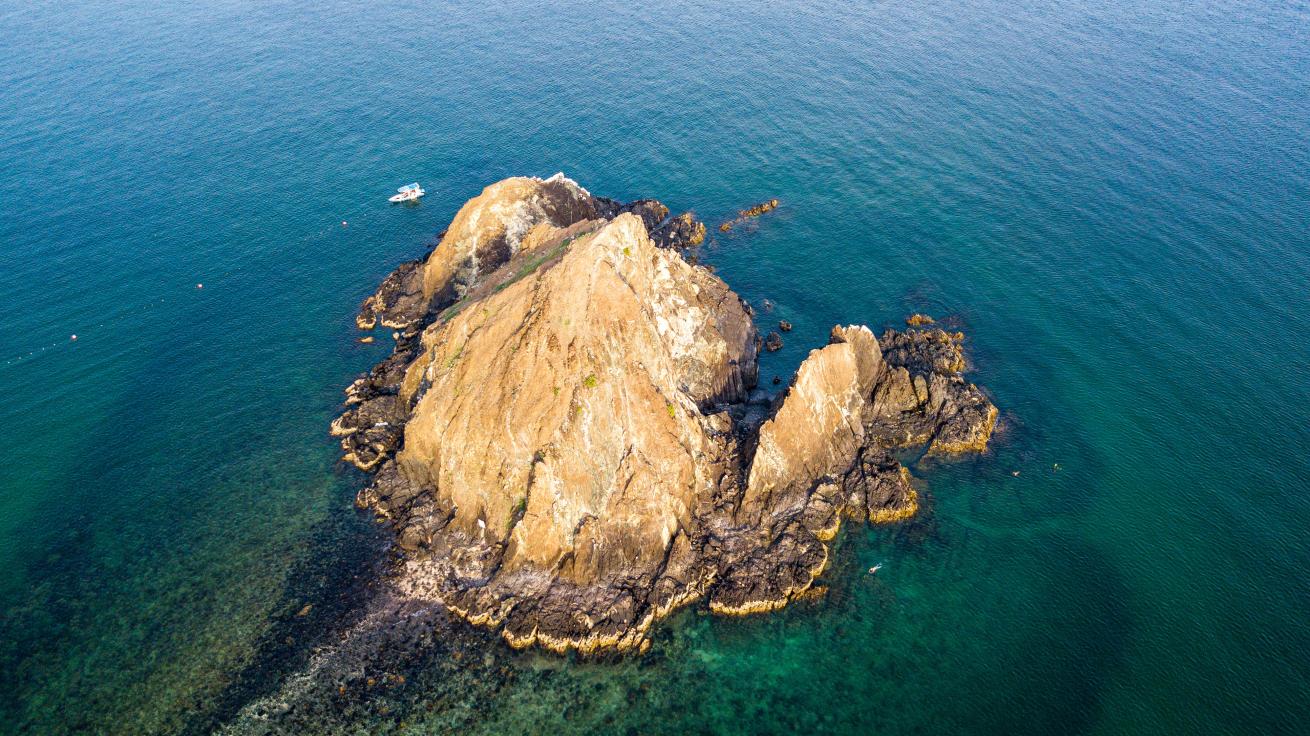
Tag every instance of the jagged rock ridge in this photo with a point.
(564, 437)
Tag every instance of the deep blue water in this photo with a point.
(1111, 198)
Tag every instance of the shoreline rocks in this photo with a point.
(568, 442)
(683, 231)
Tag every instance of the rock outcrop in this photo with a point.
(683, 231)
(748, 213)
(566, 438)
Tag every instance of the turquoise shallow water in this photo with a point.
(1112, 199)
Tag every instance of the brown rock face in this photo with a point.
(487, 230)
(585, 397)
(560, 438)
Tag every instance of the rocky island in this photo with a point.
(567, 441)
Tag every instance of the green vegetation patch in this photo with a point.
(453, 309)
(454, 357)
(516, 513)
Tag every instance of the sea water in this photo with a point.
(1111, 199)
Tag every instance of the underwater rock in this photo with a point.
(759, 209)
(748, 213)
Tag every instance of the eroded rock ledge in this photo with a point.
(564, 438)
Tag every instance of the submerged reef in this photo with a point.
(748, 213)
(568, 443)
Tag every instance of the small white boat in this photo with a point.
(407, 193)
